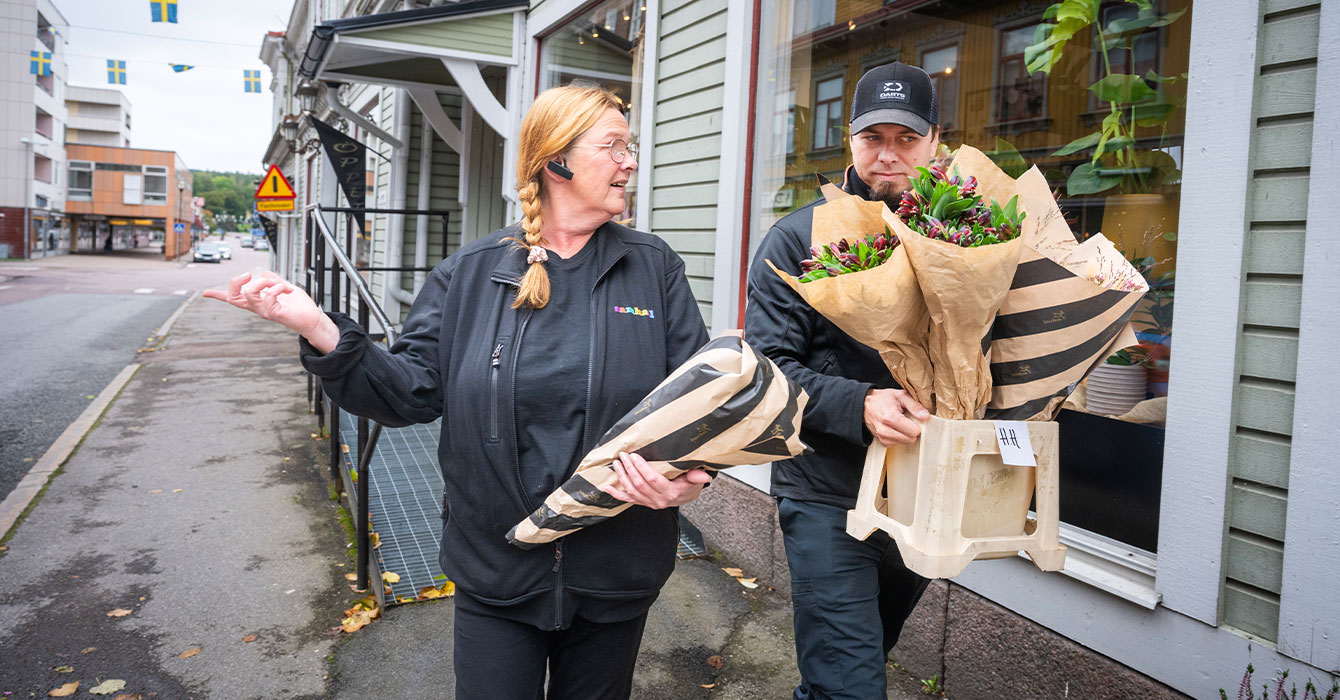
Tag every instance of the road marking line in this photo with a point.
(190, 265)
(6, 286)
(181, 292)
(145, 290)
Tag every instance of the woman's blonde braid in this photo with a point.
(534, 291)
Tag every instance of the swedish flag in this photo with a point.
(116, 72)
(163, 10)
(251, 80)
(180, 67)
(39, 62)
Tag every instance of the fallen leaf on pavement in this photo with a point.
(344, 448)
(63, 669)
(155, 490)
(4, 548)
(732, 571)
(390, 577)
(65, 691)
(119, 612)
(249, 638)
(376, 540)
(715, 661)
(287, 459)
(446, 590)
(708, 685)
(747, 583)
(89, 650)
(90, 396)
(108, 687)
(189, 653)
(128, 696)
(176, 490)
(351, 576)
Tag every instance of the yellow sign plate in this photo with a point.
(274, 205)
(274, 185)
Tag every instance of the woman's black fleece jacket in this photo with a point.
(456, 359)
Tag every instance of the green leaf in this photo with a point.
(1152, 113)
(1083, 10)
(1124, 25)
(1008, 158)
(1084, 180)
(1170, 236)
(1122, 88)
(1144, 5)
(1169, 18)
(1079, 144)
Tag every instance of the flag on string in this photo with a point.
(251, 80)
(180, 67)
(116, 72)
(39, 62)
(163, 10)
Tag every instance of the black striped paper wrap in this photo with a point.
(1053, 328)
(726, 406)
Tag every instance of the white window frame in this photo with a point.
(80, 194)
(154, 197)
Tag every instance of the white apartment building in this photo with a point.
(32, 130)
(97, 116)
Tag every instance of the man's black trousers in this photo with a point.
(500, 659)
(839, 586)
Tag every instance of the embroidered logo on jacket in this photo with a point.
(636, 311)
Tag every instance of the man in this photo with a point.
(841, 586)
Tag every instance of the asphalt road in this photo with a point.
(70, 323)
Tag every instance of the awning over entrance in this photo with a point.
(462, 46)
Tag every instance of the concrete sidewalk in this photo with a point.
(199, 503)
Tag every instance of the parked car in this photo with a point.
(247, 242)
(262, 244)
(225, 250)
(207, 252)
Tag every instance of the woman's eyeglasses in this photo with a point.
(618, 149)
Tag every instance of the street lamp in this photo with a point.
(27, 195)
(306, 93)
(288, 129)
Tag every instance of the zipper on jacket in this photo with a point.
(558, 585)
(516, 441)
(494, 364)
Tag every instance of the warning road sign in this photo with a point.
(275, 186)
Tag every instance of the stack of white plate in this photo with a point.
(1115, 389)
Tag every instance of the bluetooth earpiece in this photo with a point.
(559, 169)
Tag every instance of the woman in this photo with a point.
(523, 342)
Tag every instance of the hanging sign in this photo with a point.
(349, 159)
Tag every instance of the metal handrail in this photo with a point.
(369, 432)
(351, 271)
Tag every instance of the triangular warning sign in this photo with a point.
(275, 185)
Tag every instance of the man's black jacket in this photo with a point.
(836, 370)
(456, 359)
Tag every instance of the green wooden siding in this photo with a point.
(487, 210)
(490, 34)
(442, 191)
(1281, 144)
(691, 76)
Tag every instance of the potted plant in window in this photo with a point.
(1129, 160)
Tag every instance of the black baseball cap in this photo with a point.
(895, 93)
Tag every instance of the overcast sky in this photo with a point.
(202, 114)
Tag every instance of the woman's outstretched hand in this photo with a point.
(644, 486)
(274, 299)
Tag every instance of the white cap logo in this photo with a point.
(893, 90)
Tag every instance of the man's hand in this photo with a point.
(644, 486)
(890, 414)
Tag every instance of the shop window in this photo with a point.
(975, 52)
(830, 121)
(155, 184)
(81, 181)
(1020, 96)
(602, 45)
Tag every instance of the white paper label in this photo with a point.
(1015, 448)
